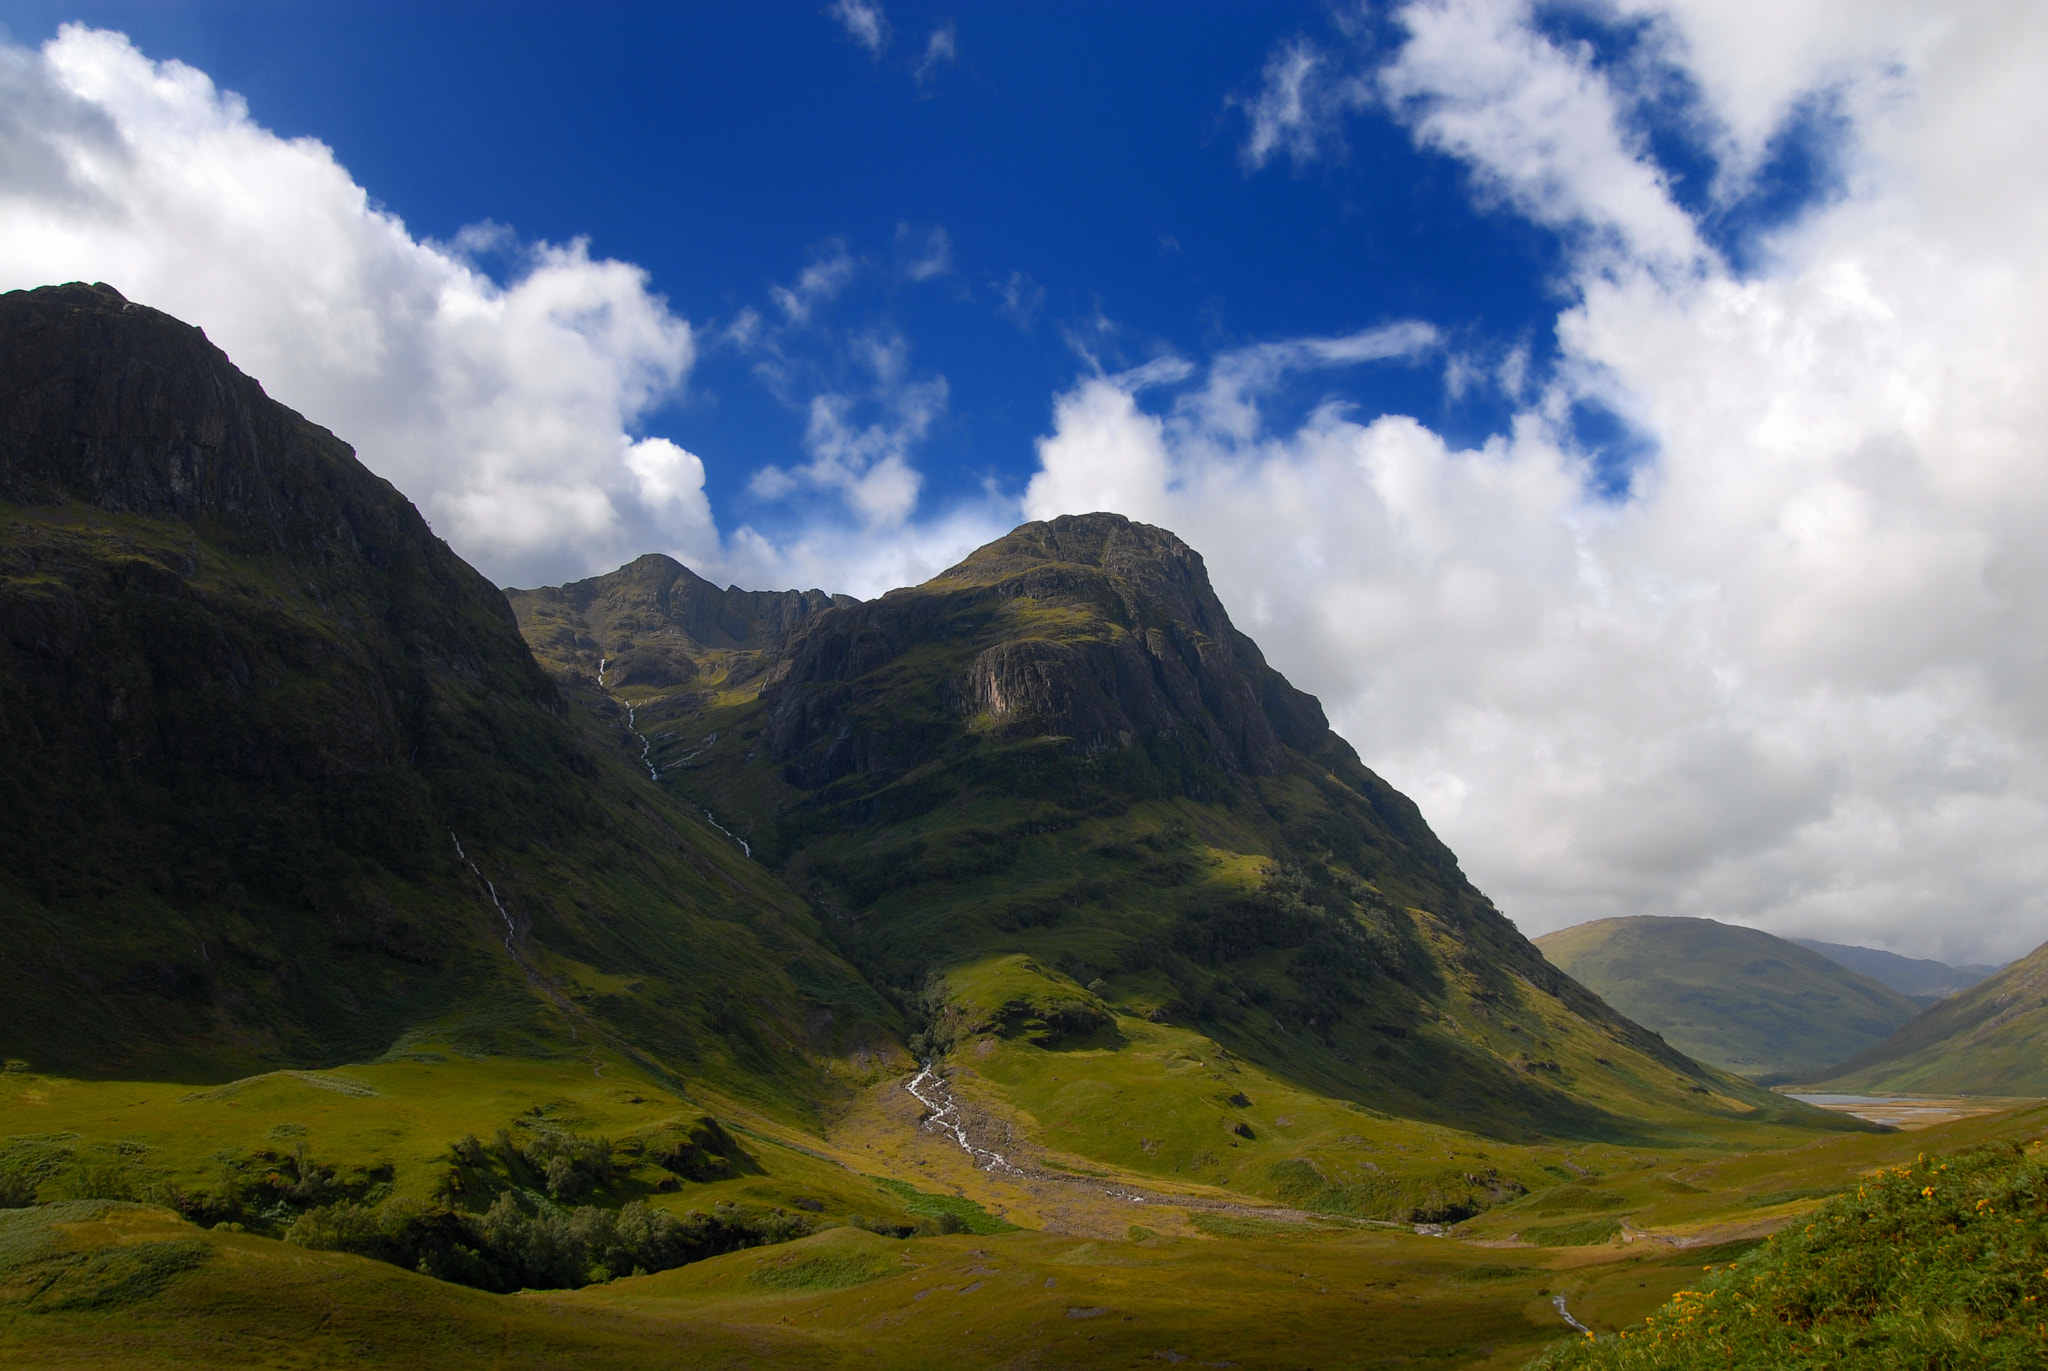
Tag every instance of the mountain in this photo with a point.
(1736, 997)
(1986, 1040)
(1054, 802)
(282, 785)
(657, 621)
(1918, 980)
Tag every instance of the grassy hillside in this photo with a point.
(281, 785)
(1053, 794)
(111, 1283)
(1985, 1041)
(1937, 1262)
(1737, 997)
(1918, 979)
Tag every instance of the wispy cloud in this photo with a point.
(1305, 94)
(864, 23)
(942, 48)
(1019, 298)
(822, 279)
(860, 440)
(922, 254)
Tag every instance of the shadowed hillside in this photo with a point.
(1736, 997)
(250, 706)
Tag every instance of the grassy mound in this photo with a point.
(1941, 1263)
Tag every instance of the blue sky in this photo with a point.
(1086, 158)
(1627, 416)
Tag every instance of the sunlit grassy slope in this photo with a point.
(1737, 997)
(1987, 1040)
(107, 1283)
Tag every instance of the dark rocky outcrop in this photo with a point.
(1101, 632)
(653, 621)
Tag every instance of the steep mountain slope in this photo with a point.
(1736, 997)
(1991, 1039)
(281, 784)
(1918, 979)
(1056, 800)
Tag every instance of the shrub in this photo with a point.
(525, 1242)
(1943, 1263)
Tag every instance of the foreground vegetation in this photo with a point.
(1935, 1263)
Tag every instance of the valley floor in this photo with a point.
(1102, 1269)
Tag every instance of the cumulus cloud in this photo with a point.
(505, 411)
(1794, 678)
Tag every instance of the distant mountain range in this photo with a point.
(1916, 979)
(1737, 997)
(1991, 1039)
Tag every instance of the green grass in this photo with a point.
(1938, 1262)
(951, 1213)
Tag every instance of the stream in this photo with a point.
(936, 1096)
(1566, 1315)
(498, 903)
(646, 747)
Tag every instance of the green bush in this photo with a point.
(1942, 1264)
(524, 1242)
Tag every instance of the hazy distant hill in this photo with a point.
(1991, 1039)
(1916, 979)
(1736, 997)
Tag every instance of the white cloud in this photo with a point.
(864, 23)
(828, 273)
(940, 49)
(505, 412)
(1796, 678)
(1540, 126)
(1303, 98)
(866, 461)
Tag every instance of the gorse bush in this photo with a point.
(1941, 1264)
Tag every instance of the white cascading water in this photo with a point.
(500, 904)
(945, 1117)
